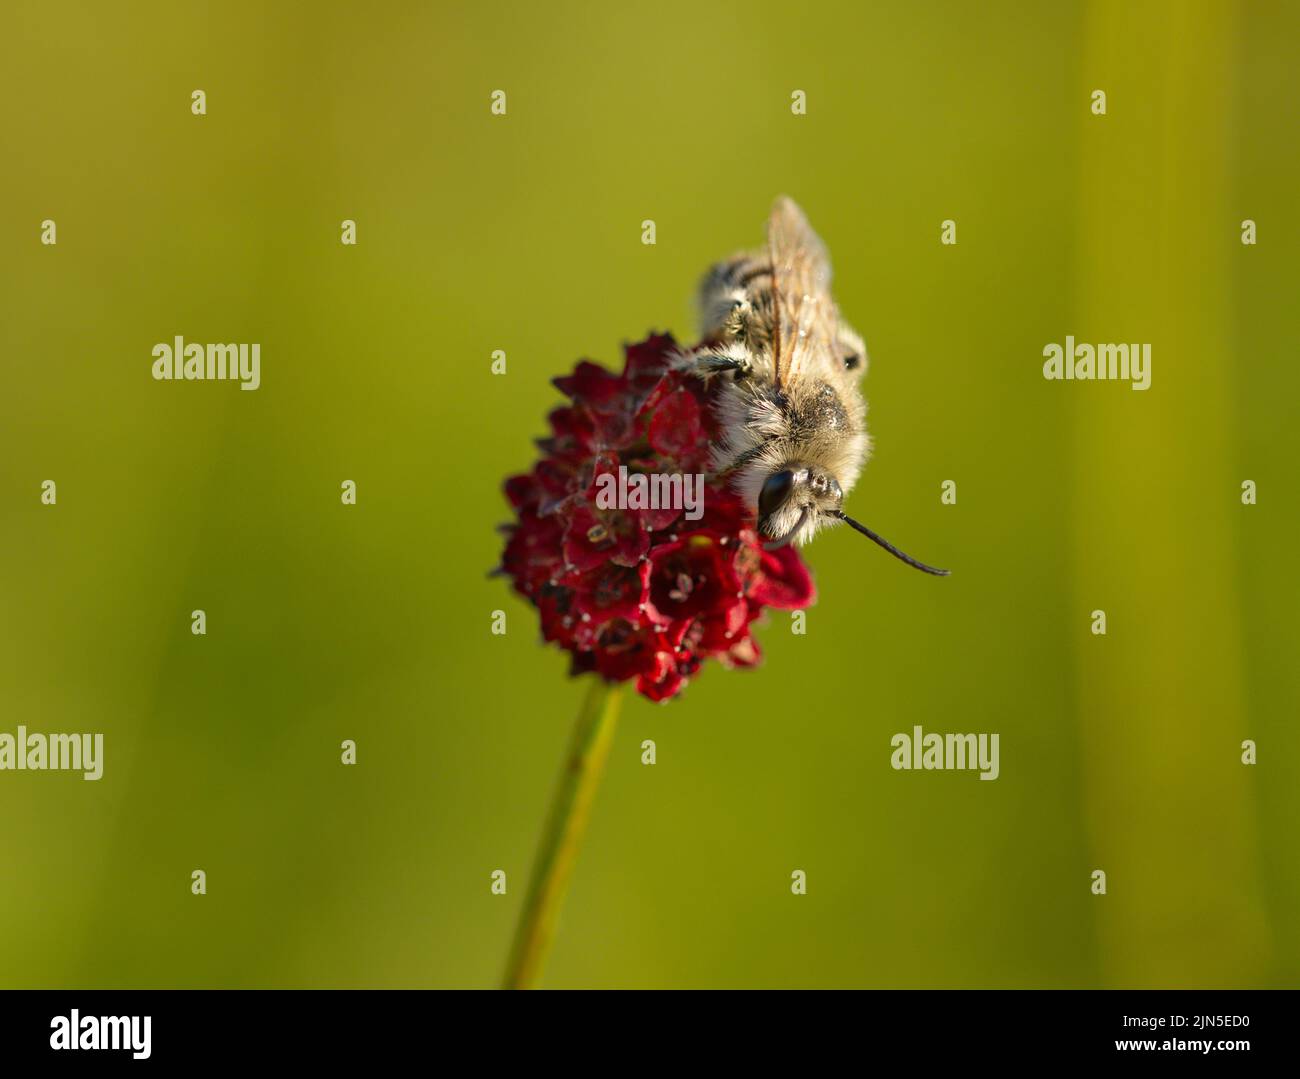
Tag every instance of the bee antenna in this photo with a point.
(887, 545)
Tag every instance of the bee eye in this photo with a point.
(852, 362)
(776, 489)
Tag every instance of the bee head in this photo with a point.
(796, 499)
(793, 501)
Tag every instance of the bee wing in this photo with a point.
(801, 280)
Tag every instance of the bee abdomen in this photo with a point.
(722, 279)
(741, 270)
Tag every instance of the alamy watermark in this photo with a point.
(77, 1031)
(948, 752)
(651, 491)
(215, 362)
(37, 752)
(1083, 361)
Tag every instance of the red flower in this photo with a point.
(637, 589)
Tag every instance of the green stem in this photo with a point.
(592, 736)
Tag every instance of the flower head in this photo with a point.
(643, 588)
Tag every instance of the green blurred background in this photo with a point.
(522, 233)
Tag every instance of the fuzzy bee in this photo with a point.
(786, 370)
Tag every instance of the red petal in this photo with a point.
(783, 581)
(675, 427)
(648, 360)
(590, 384)
(588, 542)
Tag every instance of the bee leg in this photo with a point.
(727, 312)
(709, 362)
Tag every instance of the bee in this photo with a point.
(786, 369)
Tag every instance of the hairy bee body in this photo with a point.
(786, 370)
